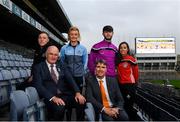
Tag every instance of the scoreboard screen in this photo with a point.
(155, 45)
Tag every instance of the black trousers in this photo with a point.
(55, 112)
(121, 117)
(71, 103)
(128, 92)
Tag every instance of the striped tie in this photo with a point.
(53, 75)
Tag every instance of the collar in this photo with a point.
(109, 41)
(104, 79)
(76, 45)
(49, 65)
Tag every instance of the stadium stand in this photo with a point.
(15, 67)
(156, 108)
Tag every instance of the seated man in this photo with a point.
(104, 94)
(53, 82)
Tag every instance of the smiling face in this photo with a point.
(43, 39)
(73, 36)
(123, 49)
(100, 70)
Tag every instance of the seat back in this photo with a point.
(18, 102)
(34, 100)
(89, 112)
(32, 95)
(30, 113)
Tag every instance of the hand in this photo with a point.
(30, 79)
(80, 98)
(116, 110)
(58, 101)
(112, 112)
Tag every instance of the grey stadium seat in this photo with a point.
(4, 97)
(7, 76)
(4, 64)
(35, 100)
(18, 105)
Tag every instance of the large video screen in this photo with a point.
(155, 45)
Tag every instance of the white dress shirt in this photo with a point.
(54, 68)
(106, 90)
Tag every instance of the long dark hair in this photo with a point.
(118, 54)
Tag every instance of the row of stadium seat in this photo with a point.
(4, 64)
(9, 79)
(13, 57)
(156, 108)
(26, 106)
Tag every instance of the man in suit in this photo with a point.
(54, 83)
(104, 94)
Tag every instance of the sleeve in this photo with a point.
(62, 54)
(69, 78)
(85, 59)
(135, 70)
(91, 61)
(90, 98)
(37, 79)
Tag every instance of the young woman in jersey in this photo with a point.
(127, 75)
(75, 56)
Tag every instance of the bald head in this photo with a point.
(52, 54)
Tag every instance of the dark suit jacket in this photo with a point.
(45, 85)
(93, 93)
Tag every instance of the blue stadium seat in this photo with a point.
(11, 64)
(2, 56)
(90, 113)
(23, 73)
(7, 56)
(11, 56)
(32, 95)
(18, 103)
(4, 97)
(4, 64)
(21, 63)
(28, 72)
(8, 78)
(16, 75)
(35, 100)
(30, 114)
(17, 64)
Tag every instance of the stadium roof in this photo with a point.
(21, 21)
(48, 12)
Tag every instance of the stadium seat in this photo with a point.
(7, 56)
(4, 97)
(30, 114)
(2, 56)
(23, 73)
(16, 75)
(17, 64)
(18, 104)
(8, 79)
(32, 94)
(28, 72)
(21, 64)
(90, 113)
(4, 64)
(35, 100)
(11, 57)
(11, 64)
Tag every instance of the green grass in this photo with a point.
(175, 83)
